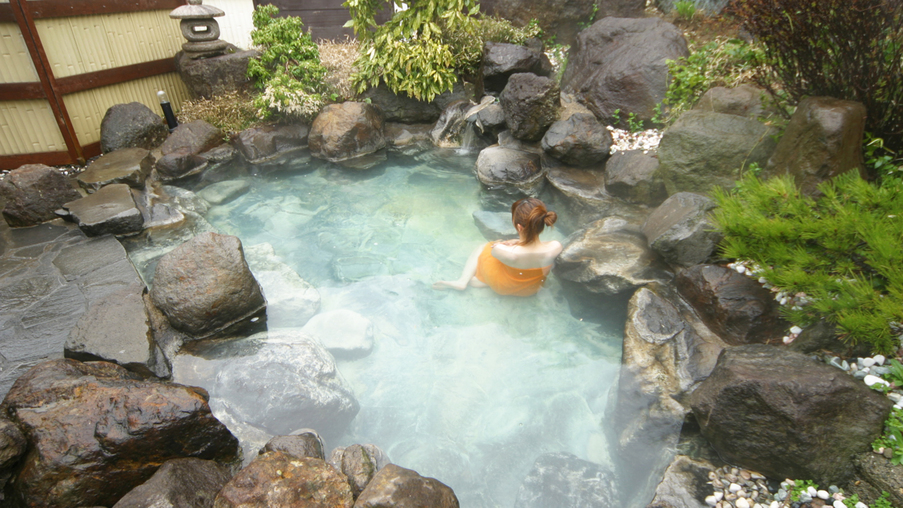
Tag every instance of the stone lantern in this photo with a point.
(201, 30)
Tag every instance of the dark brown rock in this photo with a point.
(680, 231)
(130, 166)
(131, 125)
(686, 484)
(111, 210)
(881, 475)
(12, 449)
(501, 60)
(786, 415)
(304, 444)
(403, 488)
(33, 193)
(268, 141)
(178, 164)
(500, 167)
(733, 305)
(278, 480)
(185, 482)
(401, 108)
(822, 140)
(531, 105)
(96, 431)
(193, 137)
(580, 140)
(207, 77)
(562, 479)
(347, 130)
(631, 177)
(620, 64)
(359, 463)
(205, 286)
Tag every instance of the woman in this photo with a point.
(514, 267)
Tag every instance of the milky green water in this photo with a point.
(467, 387)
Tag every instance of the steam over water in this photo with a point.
(467, 387)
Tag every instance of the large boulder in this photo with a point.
(621, 64)
(452, 127)
(347, 130)
(279, 480)
(193, 137)
(96, 431)
(209, 77)
(33, 193)
(561, 19)
(686, 484)
(116, 329)
(630, 176)
(131, 125)
(501, 60)
(609, 257)
(822, 140)
(400, 487)
(680, 230)
(734, 306)
(291, 382)
(877, 474)
(703, 150)
(269, 141)
(291, 300)
(401, 108)
(359, 463)
(109, 211)
(130, 166)
(786, 415)
(530, 103)
(179, 482)
(667, 351)
(562, 479)
(580, 140)
(499, 167)
(303, 443)
(204, 286)
(745, 100)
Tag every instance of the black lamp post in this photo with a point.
(167, 110)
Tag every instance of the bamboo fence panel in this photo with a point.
(29, 127)
(15, 62)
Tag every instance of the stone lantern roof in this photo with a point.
(196, 10)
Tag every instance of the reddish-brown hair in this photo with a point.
(532, 215)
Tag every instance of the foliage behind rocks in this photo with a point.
(230, 112)
(846, 49)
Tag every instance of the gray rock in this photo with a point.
(347, 130)
(580, 140)
(703, 150)
(287, 385)
(344, 333)
(270, 141)
(822, 140)
(734, 306)
(630, 176)
(292, 300)
(763, 408)
(179, 482)
(130, 166)
(116, 329)
(401, 108)
(131, 125)
(745, 100)
(608, 257)
(680, 230)
(359, 463)
(33, 193)
(495, 225)
(303, 443)
(185, 200)
(686, 484)
(620, 64)
(208, 77)
(823, 336)
(501, 60)
(562, 479)
(449, 130)
(111, 210)
(223, 192)
(397, 486)
(204, 286)
(530, 103)
(193, 137)
(179, 164)
(498, 167)
(880, 474)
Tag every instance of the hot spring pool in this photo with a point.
(467, 387)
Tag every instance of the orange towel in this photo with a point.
(506, 280)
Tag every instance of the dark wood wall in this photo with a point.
(324, 18)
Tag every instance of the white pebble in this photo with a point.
(870, 380)
(860, 504)
(757, 505)
(774, 504)
(710, 500)
(741, 269)
(719, 495)
(823, 494)
(868, 362)
(880, 359)
(795, 329)
(839, 504)
(734, 488)
(762, 280)
(742, 503)
(787, 339)
(811, 491)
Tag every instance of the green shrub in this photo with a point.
(892, 439)
(844, 251)
(685, 9)
(847, 49)
(288, 70)
(467, 39)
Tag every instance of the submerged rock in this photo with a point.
(33, 193)
(562, 479)
(96, 432)
(344, 333)
(397, 486)
(291, 300)
(223, 192)
(686, 484)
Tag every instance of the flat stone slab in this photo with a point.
(49, 276)
(110, 210)
(224, 192)
(495, 225)
(128, 165)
